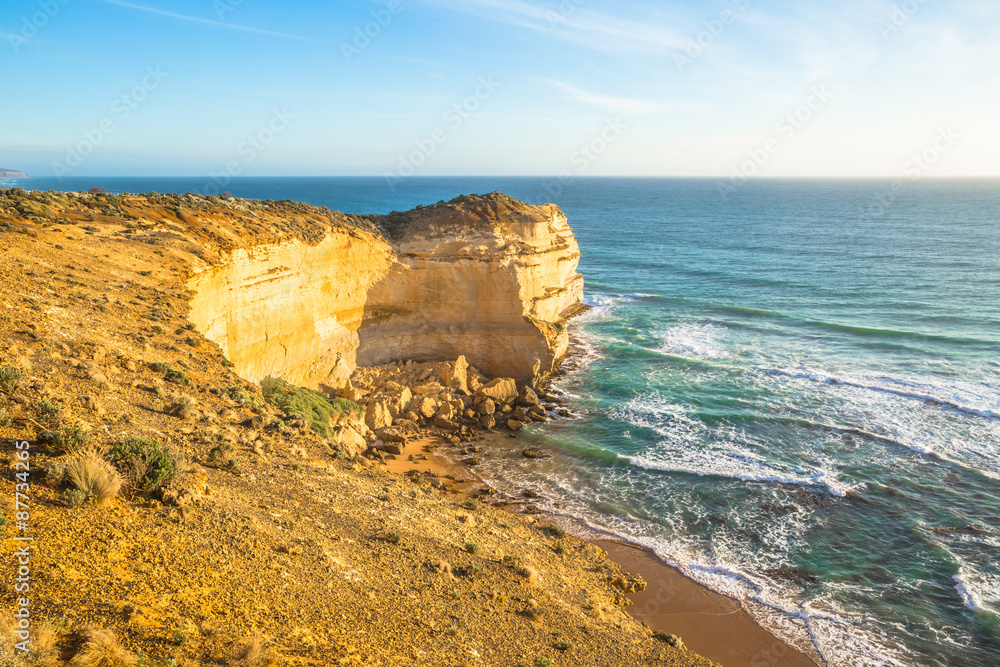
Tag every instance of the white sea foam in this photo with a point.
(980, 593)
(962, 434)
(689, 446)
(604, 504)
(695, 340)
(979, 400)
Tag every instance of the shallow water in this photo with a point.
(794, 402)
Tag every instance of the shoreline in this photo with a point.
(709, 623)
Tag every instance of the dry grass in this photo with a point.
(253, 652)
(94, 476)
(43, 650)
(102, 650)
(529, 573)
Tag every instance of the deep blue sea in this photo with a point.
(793, 394)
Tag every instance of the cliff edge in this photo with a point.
(183, 515)
(487, 277)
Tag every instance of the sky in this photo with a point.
(723, 88)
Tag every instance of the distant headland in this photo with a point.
(11, 173)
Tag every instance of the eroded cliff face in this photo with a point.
(487, 277)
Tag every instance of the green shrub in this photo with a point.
(314, 406)
(71, 439)
(47, 412)
(5, 419)
(542, 661)
(74, 497)
(472, 548)
(219, 451)
(243, 397)
(10, 378)
(146, 464)
(177, 377)
(557, 531)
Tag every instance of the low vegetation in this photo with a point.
(145, 463)
(313, 406)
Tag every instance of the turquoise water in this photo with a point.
(793, 401)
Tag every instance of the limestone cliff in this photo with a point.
(487, 277)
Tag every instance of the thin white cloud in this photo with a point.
(596, 30)
(219, 24)
(623, 105)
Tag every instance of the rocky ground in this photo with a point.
(273, 544)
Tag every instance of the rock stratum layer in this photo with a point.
(488, 277)
(265, 543)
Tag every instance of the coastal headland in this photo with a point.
(218, 396)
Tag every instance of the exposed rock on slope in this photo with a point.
(488, 277)
(266, 542)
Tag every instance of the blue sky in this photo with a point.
(501, 87)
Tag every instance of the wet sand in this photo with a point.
(710, 624)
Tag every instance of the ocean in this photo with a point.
(791, 393)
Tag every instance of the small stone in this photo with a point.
(514, 425)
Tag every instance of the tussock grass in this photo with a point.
(253, 652)
(102, 649)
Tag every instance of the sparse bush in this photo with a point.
(472, 548)
(177, 377)
(146, 464)
(159, 367)
(5, 419)
(542, 661)
(243, 397)
(74, 497)
(557, 531)
(254, 652)
(669, 639)
(102, 649)
(528, 572)
(563, 645)
(182, 409)
(219, 451)
(47, 412)
(71, 439)
(10, 378)
(560, 547)
(314, 406)
(471, 504)
(393, 537)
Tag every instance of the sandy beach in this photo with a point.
(709, 623)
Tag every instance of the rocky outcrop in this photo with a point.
(490, 278)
